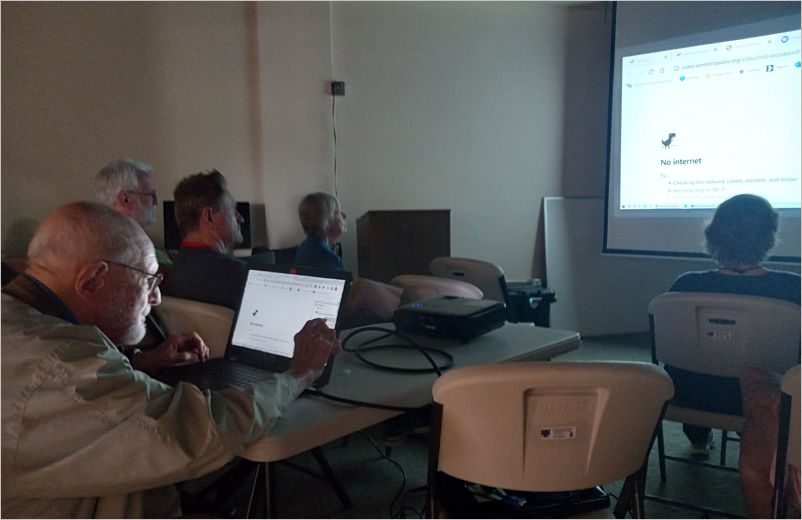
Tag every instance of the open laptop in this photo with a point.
(275, 304)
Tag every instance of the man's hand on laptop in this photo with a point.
(188, 347)
(313, 345)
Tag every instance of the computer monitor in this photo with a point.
(172, 234)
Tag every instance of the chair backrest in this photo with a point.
(723, 334)
(485, 275)
(544, 426)
(420, 287)
(211, 322)
(790, 386)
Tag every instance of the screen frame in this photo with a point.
(275, 362)
(701, 215)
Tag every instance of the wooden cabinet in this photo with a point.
(393, 242)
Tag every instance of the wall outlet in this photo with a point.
(338, 88)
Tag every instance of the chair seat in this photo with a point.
(716, 420)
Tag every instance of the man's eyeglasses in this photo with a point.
(153, 279)
(151, 194)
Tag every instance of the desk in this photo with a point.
(311, 422)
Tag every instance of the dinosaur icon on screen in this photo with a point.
(667, 142)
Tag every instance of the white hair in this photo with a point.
(119, 175)
(83, 232)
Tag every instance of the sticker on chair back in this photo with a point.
(560, 425)
(558, 433)
(560, 414)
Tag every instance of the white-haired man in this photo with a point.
(127, 186)
(83, 433)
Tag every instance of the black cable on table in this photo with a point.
(368, 346)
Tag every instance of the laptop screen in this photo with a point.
(276, 305)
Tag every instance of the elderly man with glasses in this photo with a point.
(58, 241)
(127, 186)
(84, 434)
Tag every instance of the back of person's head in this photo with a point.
(117, 176)
(317, 211)
(742, 230)
(194, 193)
(82, 232)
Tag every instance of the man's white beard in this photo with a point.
(134, 335)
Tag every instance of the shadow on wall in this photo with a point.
(17, 238)
(587, 58)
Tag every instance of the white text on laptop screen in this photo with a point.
(275, 306)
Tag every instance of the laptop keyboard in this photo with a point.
(215, 374)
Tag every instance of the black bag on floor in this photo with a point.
(464, 500)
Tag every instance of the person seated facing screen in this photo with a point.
(127, 186)
(324, 223)
(84, 434)
(204, 268)
(738, 239)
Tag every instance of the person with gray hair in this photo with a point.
(84, 434)
(324, 223)
(127, 186)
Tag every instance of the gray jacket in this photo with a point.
(85, 435)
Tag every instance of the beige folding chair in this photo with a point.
(211, 322)
(788, 451)
(545, 426)
(420, 287)
(722, 335)
(488, 277)
(525, 301)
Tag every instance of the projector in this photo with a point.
(450, 317)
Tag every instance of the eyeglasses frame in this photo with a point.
(152, 194)
(154, 280)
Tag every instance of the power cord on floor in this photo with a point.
(402, 513)
(397, 465)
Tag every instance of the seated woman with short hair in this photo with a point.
(739, 239)
(324, 222)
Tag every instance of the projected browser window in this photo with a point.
(275, 306)
(701, 124)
